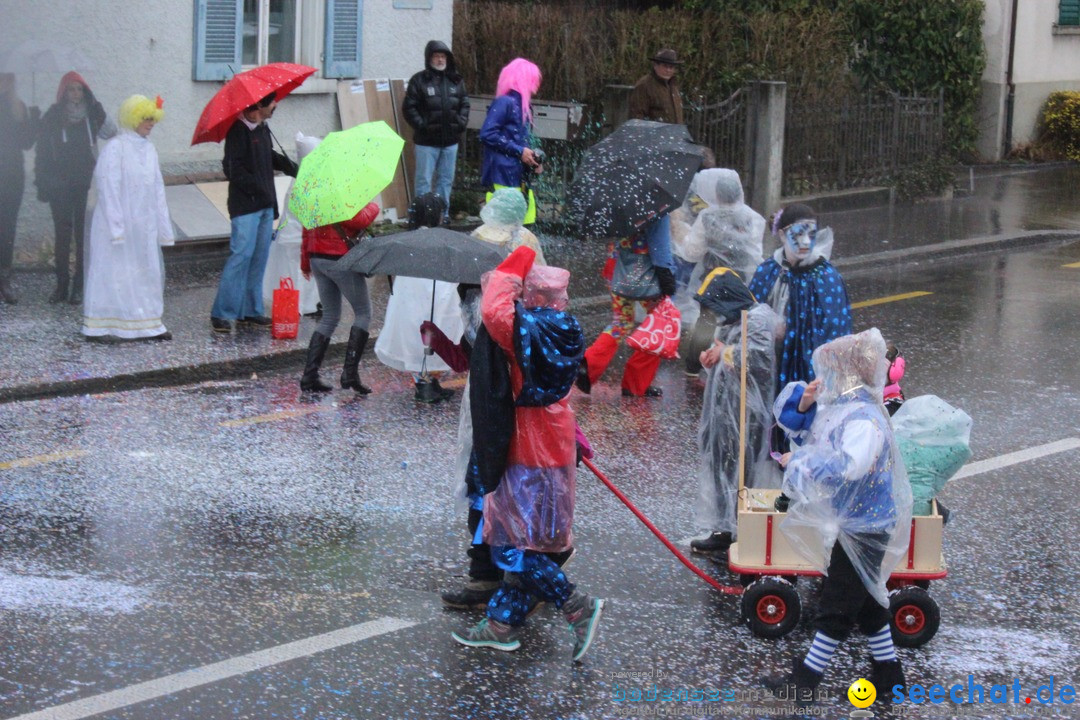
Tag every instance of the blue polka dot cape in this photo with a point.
(548, 347)
(817, 311)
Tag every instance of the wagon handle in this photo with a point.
(742, 406)
(726, 589)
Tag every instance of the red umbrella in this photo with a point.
(242, 91)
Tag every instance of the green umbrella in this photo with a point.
(344, 173)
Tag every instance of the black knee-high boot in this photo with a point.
(350, 374)
(310, 381)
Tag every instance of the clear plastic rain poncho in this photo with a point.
(718, 430)
(471, 320)
(683, 217)
(503, 217)
(847, 481)
(284, 258)
(933, 437)
(728, 233)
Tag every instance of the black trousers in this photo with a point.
(12, 182)
(480, 565)
(845, 601)
(69, 220)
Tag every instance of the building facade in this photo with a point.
(1026, 60)
(182, 50)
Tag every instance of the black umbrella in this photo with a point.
(639, 172)
(436, 253)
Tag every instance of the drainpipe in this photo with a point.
(1010, 99)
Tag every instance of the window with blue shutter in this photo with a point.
(1069, 12)
(218, 25)
(341, 53)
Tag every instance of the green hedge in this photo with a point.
(819, 47)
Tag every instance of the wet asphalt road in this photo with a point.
(161, 530)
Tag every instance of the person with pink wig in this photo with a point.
(505, 134)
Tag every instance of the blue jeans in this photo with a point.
(438, 162)
(239, 293)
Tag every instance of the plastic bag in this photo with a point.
(286, 310)
(933, 438)
(659, 333)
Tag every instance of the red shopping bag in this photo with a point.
(286, 312)
(659, 332)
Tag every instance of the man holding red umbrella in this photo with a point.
(249, 165)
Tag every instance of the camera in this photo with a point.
(540, 157)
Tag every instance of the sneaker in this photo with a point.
(583, 614)
(490, 633)
(221, 325)
(717, 542)
(257, 320)
(474, 596)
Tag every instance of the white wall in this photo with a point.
(1044, 61)
(146, 47)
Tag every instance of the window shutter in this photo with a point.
(341, 58)
(218, 24)
(1069, 12)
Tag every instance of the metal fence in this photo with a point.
(858, 141)
(721, 127)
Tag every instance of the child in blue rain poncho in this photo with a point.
(804, 289)
(850, 502)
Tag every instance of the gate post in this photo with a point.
(765, 144)
(616, 104)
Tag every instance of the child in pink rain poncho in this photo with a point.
(531, 510)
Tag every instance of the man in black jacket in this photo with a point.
(249, 164)
(437, 108)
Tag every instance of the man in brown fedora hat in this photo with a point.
(656, 95)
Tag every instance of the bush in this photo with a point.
(930, 178)
(1060, 124)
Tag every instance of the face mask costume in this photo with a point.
(799, 240)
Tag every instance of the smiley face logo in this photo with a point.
(862, 693)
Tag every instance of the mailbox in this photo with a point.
(551, 120)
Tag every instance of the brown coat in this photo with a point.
(653, 99)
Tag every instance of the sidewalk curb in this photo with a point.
(290, 359)
(954, 249)
(171, 376)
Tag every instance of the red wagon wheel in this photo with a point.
(914, 616)
(771, 607)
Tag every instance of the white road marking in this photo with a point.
(1014, 458)
(196, 677)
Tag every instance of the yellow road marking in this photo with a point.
(1072, 265)
(889, 299)
(41, 459)
(272, 417)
